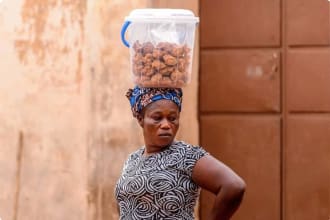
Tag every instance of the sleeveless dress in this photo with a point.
(159, 186)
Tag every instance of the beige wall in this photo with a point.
(65, 124)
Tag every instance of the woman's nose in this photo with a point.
(165, 124)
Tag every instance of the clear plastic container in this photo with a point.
(161, 43)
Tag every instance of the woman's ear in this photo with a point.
(140, 120)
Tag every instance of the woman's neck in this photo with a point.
(149, 149)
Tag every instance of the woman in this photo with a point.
(162, 179)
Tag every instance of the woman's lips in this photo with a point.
(165, 135)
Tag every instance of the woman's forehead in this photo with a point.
(161, 105)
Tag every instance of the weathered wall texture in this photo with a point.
(42, 129)
(65, 124)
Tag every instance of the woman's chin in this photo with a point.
(164, 142)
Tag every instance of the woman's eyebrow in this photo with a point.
(155, 110)
(161, 112)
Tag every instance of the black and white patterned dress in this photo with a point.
(159, 186)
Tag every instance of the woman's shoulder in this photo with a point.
(190, 154)
(187, 147)
(180, 143)
(135, 154)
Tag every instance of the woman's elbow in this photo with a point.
(240, 185)
(236, 188)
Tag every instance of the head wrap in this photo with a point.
(141, 97)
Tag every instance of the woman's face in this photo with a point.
(160, 122)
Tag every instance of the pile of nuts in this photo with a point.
(163, 65)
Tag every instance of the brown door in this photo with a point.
(265, 103)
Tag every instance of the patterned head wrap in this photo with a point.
(141, 97)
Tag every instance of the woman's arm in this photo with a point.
(214, 176)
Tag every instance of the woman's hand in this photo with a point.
(214, 176)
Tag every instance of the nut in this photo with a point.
(170, 60)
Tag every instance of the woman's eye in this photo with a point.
(157, 118)
(172, 118)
